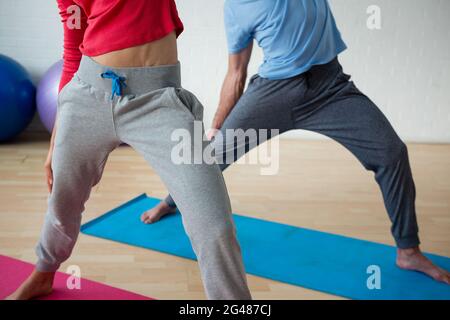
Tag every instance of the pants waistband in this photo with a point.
(323, 70)
(138, 80)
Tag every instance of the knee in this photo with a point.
(217, 235)
(394, 152)
(223, 151)
(69, 194)
(222, 231)
(64, 205)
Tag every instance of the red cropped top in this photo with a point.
(95, 27)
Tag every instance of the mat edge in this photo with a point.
(112, 211)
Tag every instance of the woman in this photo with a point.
(127, 89)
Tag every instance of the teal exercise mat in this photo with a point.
(311, 259)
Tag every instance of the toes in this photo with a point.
(147, 219)
(155, 215)
(443, 276)
(153, 219)
(447, 279)
(150, 218)
(144, 216)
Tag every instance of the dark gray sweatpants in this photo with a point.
(324, 100)
(152, 106)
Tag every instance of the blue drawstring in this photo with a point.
(117, 82)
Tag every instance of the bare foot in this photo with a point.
(36, 285)
(413, 259)
(153, 215)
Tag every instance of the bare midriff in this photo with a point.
(155, 53)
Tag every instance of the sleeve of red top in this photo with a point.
(178, 24)
(73, 37)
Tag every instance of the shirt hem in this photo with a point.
(137, 42)
(300, 70)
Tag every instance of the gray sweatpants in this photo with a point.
(324, 100)
(93, 121)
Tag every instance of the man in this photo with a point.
(301, 85)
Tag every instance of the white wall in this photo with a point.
(404, 67)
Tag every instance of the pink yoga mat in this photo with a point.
(13, 272)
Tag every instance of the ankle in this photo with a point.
(408, 252)
(42, 277)
(166, 206)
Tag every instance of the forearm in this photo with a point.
(233, 85)
(73, 37)
(232, 89)
(52, 139)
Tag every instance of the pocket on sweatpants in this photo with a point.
(189, 101)
(65, 90)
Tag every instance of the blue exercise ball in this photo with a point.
(17, 98)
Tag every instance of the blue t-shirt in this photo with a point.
(294, 34)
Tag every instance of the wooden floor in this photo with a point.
(319, 186)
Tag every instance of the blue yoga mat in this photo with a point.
(316, 260)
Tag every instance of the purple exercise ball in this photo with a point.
(47, 95)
